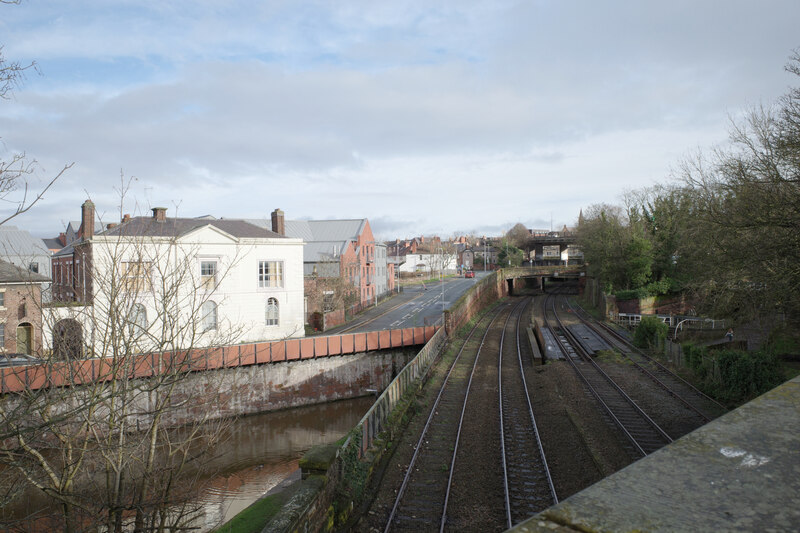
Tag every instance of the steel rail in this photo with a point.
(506, 494)
(460, 424)
(627, 345)
(533, 419)
(538, 471)
(638, 442)
(433, 412)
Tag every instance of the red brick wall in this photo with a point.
(22, 305)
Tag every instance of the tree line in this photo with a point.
(724, 230)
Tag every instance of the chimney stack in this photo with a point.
(87, 220)
(159, 214)
(126, 217)
(278, 225)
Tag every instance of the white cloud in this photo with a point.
(424, 118)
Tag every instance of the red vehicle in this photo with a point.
(469, 274)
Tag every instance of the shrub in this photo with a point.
(650, 331)
(733, 376)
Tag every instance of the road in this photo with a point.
(415, 306)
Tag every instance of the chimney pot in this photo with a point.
(159, 214)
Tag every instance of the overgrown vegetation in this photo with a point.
(650, 332)
(733, 376)
(725, 232)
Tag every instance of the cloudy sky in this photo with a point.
(423, 116)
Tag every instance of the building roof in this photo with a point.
(13, 274)
(53, 243)
(325, 240)
(15, 242)
(326, 230)
(175, 227)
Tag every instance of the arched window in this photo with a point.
(209, 316)
(272, 313)
(137, 320)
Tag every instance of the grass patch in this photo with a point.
(612, 356)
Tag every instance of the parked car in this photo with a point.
(469, 274)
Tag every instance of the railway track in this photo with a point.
(422, 498)
(704, 407)
(440, 479)
(643, 433)
(528, 485)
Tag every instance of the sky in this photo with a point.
(426, 117)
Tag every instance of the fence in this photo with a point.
(674, 321)
(70, 373)
(373, 421)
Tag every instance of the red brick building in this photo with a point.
(20, 310)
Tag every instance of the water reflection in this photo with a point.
(260, 451)
(264, 449)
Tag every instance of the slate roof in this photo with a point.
(53, 244)
(13, 274)
(175, 227)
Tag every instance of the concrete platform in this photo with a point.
(588, 339)
(740, 472)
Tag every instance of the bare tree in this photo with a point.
(109, 453)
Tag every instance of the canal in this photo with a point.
(259, 452)
(264, 449)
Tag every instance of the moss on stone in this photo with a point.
(319, 458)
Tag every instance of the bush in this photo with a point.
(733, 376)
(633, 294)
(650, 331)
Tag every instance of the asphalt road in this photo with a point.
(415, 306)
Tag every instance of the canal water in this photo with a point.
(260, 452)
(264, 449)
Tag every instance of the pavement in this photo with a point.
(740, 472)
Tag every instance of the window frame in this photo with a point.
(209, 282)
(137, 320)
(272, 307)
(265, 278)
(205, 312)
(141, 279)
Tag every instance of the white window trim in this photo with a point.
(208, 259)
(282, 285)
(278, 307)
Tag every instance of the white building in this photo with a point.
(187, 282)
(429, 263)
